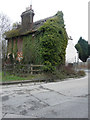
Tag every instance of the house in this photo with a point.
(72, 55)
(15, 36)
(27, 28)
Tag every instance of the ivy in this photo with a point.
(9, 46)
(31, 50)
(12, 33)
(15, 49)
(48, 45)
(12, 47)
(53, 42)
(45, 46)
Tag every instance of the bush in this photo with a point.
(81, 73)
(65, 72)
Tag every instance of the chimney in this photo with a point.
(30, 7)
(27, 18)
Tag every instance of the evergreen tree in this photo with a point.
(83, 48)
(88, 49)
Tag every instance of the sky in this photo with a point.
(75, 13)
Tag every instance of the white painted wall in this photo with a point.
(71, 53)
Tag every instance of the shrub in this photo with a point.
(81, 73)
(66, 72)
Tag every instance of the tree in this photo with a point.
(79, 49)
(82, 47)
(16, 25)
(4, 26)
(88, 49)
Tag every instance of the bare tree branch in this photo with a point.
(4, 26)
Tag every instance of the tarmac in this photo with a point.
(66, 99)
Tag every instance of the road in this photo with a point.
(67, 99)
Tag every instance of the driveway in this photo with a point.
(67, 99)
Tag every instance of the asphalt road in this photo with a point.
(67, 99)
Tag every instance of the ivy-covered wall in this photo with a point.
(48, 45)
(31, 49)
(15, 49)
(45, 46)
(12, 47)
(9, 46)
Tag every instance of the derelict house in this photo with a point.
(16, 36)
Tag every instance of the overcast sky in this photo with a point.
(75, 13)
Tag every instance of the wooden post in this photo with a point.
(31, 69)
(4, 70)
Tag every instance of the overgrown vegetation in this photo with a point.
(68, 72)
(63, 73)
(15, 49)
(6, 77)
(31, 50)
(9, 77)
(13, 33)
(53, 42)
(47, 46)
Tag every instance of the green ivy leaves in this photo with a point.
(48, 45)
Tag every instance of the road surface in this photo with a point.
(67, 99)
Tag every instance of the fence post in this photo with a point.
(14, 67)
(31, 69)
(4, 70)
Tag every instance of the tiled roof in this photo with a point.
(39, 23)
(20, 31)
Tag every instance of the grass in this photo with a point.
(61, 74)
(5, 77)
(8, 77)
(0, 76)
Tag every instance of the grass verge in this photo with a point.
(61, 74)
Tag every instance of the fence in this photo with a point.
(22, 69)
(83, 65)
(80, 65)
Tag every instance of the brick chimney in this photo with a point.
(27, 18)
